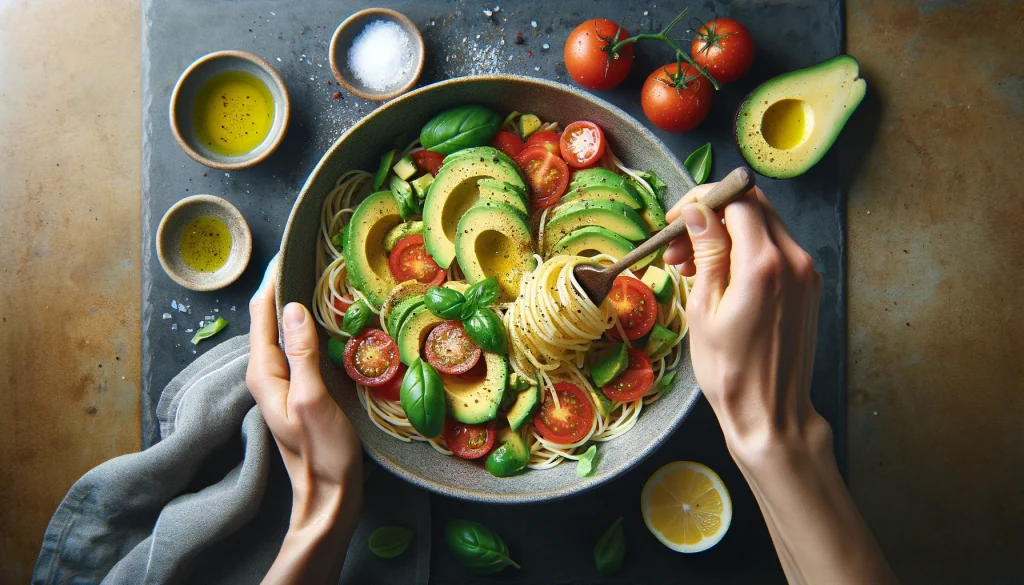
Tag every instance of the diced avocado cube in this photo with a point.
(408, 205)
(405, 168)
(528, 124)
(661, 337)
(660, 283)
(610, 366)
(420, 185)
(511, 455)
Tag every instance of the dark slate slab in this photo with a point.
(554, 541)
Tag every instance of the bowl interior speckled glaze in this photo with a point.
(360, 148)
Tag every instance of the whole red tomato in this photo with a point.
(591, 66)
(725, 48)
(676, 102)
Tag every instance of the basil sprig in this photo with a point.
(444, 303)
(482, 325)
(610, 551)
(483, 293)
(477, 547)
(387, 542)
(699, 163)
(585, 464)
(209, 330)
(356, 318)
(460, 127)
(485, 328)
(422, 398)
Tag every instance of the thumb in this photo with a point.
(711, 246)
(302, 347)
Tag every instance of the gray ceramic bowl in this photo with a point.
(341, 42)
(360, 148)
(189, 85)
(168, 242)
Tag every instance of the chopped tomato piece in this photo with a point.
(428, 160)
(569, 422)
(546, 175)
(508, 143)
(548, 139)
(469, 441)
(635, 306)
(371, 358)
(340, 306)
(409, 260)
(450, 350)
(390, 389)
(582, 144)
(635, 381)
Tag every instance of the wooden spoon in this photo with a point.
(597, 282)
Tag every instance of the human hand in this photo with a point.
(318, 444)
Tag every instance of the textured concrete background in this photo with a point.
(936, 446)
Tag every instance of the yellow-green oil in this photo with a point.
(205, 244)
(785, 123)
(232, 113)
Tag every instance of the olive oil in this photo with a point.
(233, 113)
(205, 244)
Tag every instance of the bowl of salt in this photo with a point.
(377, 54)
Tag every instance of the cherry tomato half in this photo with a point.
(469, 441)
(586, 61)
(635, 381)
(340, 306)
(570, 421)
(428, 160)
(635, 306)
(546, 175)
(391, 389)
(582, 144)
(508, 143)
(409, 260)
(725, 48)
(371, 358)
(676, 109)
(548, 139)
(450, 350)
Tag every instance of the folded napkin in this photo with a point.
(209, 503)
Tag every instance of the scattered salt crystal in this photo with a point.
(189, 330)
(533, 23)
(536, 68)
(174, 326)
(488, 13)
(478, 37)
(182, 308)
(381, 56)
(278, 58)
(208, 317)
(174, 305)
(232, 307)
(201, 323)
(545, 46)
(497, 8)
(167, 316)
(216, 310)
(645, 13)
(272, 14)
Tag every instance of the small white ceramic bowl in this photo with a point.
(348, 30)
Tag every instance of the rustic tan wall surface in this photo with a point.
(936, 444)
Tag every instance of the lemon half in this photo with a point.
(686, 506)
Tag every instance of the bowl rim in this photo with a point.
(229, 209)
(377, 97)
(584, 484)
(246, 163)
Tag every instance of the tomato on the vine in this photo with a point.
(676, 101)
(546, 175)
(586, 59)
(725, 48)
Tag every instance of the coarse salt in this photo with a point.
(381, 56)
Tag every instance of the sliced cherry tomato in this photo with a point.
(428, 160)
(340, 306)
(586, 59)
(635, 381)
(548, 139)
(672, 107)
(570, 421)
(450, 350)
(582, 144)
(476, 373)
(508, 143)
(546, 174)
(725, 48)
(371, 358)
(634, 303)
(409, 260)
(469, 441)
(390, 389)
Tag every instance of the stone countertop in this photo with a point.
(935, 240)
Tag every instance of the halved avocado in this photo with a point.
(604, 185)
(615, 217)
(413, 333)
(454, 191)
(474, 402)
(503, 192)
(365, 256)
(789, 122)
(494, 240)
(593, 240)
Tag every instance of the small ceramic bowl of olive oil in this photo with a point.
(229, 110)
(203, 243)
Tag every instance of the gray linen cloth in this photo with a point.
(209, 502)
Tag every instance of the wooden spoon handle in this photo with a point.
(735, 184)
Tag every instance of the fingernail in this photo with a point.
(694, 219)
(294, 315)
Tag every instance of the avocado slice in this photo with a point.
(405, 168)
(365, 256)
(382, 171)
(789, 122)
(524, 406)
(659, 340)
(474, 402)
(488, 153)
(400, 231)
(503, 193)
(528, 124)
(659, 282)
(593, 240)
(494, 240)
(454, 191)
(605, 186)
(610, 366)
(653, 212)
(413, 332)
(421, 184)
(613, 216)
(510, 456)
(404, 289)
(401, 312)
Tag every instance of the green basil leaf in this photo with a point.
(387, 542)
(655, 182)
(209, 330)
(484, 292)
(485, 328)
(610, 551)
(444, 303)
(699, 163)
(356, 318)
(338, 239)
(468, 308)
(585, 464)
(477, 547)
(336, 352)
(460, 127)
(422, 398)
